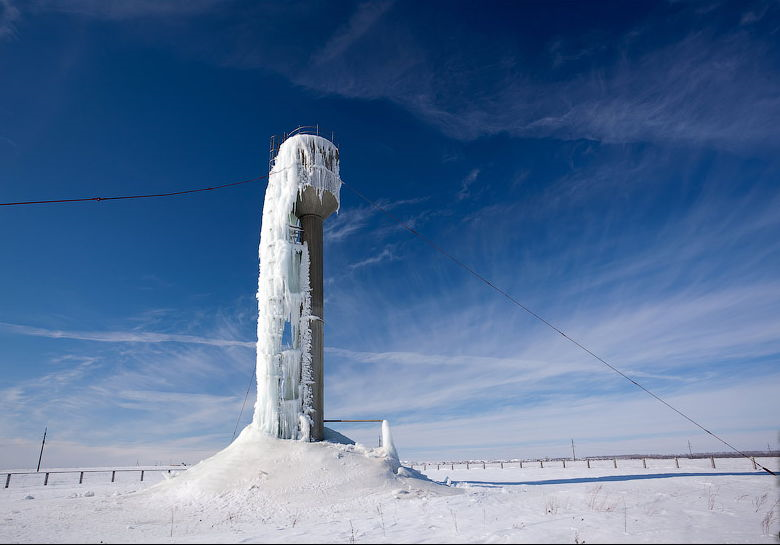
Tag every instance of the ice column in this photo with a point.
(303, 190)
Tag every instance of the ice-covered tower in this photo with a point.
(303, 190)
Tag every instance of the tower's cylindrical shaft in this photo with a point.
(312, 236)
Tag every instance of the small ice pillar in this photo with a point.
(387, 441)
(303, 190)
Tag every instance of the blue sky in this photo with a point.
(614, 166)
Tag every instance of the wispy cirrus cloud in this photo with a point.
(385, 255)
(9, 14)
(154, 390)
(360, 23)
(121, 336)
(466, 183)
(356, 220)
(118, 10)
(672, 339)
(347, 223)
(150, 384)
(673, 94)
(686, 306)
(689, 348)
(649, 81)
(640, 426)
(626, 92)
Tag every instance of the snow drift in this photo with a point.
(265, 474)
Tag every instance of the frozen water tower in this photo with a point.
(303, 190)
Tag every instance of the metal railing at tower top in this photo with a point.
(276, 140)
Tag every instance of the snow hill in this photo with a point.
(261, 473)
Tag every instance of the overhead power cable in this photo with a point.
(248, 388)
(474, 273)
(172, 194)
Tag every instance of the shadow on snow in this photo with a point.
(607, 478)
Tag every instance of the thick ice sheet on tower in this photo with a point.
(284, 385)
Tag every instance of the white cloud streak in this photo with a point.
(676, 92)
(673, 93)
(119, 10)
(669, 314)
(159, 394)
(385, 255)
(121, 336)
(347, 223)
(9, 14)
(361, 21)
(670, 341)
(466, 183)
(635, 425)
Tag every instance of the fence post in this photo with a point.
(425, 467)
(712, 460)
(564, 463)
(483, 465)
(437, 467)
(588, 460)
(8, 480)
(644, 463)
(46, 480)
(81, 477)
(614, 462)
(467, 465)
(677, 463)
(502, 465)
(452, 467)
(541, 463)
(752, 460)
(142, 475)
(113, 475)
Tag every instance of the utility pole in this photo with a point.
(42, 444)
(573, 456)
(690, 451)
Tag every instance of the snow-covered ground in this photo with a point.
(350, 494)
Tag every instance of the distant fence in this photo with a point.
(648, 462)
(61, 477)
(48, 477)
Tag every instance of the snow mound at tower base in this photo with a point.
(271, 476)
